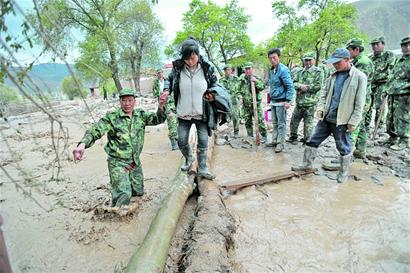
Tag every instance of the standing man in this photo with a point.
(231, 83)
(364, 64)
(308, 82)
(339, 111)
(398, 89)
(383, 61)
(172, 120)
(245, 92)
(125, 129)
(281, 94)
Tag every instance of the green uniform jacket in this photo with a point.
(399, 78)
(156, 88)
(245, 90)
(382, 62)
(125, 135)
(364, 64)
(313, 78)
(231, 85)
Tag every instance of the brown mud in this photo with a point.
(307, 224)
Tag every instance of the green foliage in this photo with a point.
(327, 26)
(220, 30)
(8, 95)
(70, 88)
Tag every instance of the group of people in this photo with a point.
(343, 93)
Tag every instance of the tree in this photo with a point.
(70, 88)
(327, 25)
(221, 31)
(93, 18)
(142, 32)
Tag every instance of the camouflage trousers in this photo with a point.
(398, 119)
(125, 178)
(306, 113)
(235, 115)
(248, 115)
(376, 102)
(172, 123)
(358, 138)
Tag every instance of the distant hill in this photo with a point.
(389, 18)
(47, 76)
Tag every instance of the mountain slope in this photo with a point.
(389, 18)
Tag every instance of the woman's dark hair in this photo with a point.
(188, 47)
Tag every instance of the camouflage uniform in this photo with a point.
(382, 64)
(359, 137)
(398, 88)
(305, 101)
(172, 120)
(231, 85)
(125, 141)
(245, 91)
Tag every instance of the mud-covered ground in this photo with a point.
(309, 224)
(62, 225)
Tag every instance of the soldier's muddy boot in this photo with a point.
(187, 153)
(279, 148)
(308, 157)
(174, 144)
(293, 140)
(203, 170)
(344, 168)
(400, 145)
(361, 155)
(122, 200)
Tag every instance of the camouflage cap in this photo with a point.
(356, 42)
(159, 70)
(227, 66)
(126, 92)
(309, 56)
(377, 40)
(248, 65)
(405, 40)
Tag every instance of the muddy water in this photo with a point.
(313, 224)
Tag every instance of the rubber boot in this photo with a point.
(308, 157)
(174, 144)
(344, 168)
(187, 153)
(202, 167)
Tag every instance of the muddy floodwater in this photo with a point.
(313, 224)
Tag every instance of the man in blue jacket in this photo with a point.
(281, 94)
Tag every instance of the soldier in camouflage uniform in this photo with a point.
(398, 89)
(125, 130)
(308, 82)
(383, 62)
(231, 83)
(172, 120)
(327, 70)
(245, 91)
(359, 137)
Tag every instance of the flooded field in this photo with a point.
(313, 224)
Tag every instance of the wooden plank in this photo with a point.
(238, 184)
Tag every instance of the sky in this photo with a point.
(261, 27)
